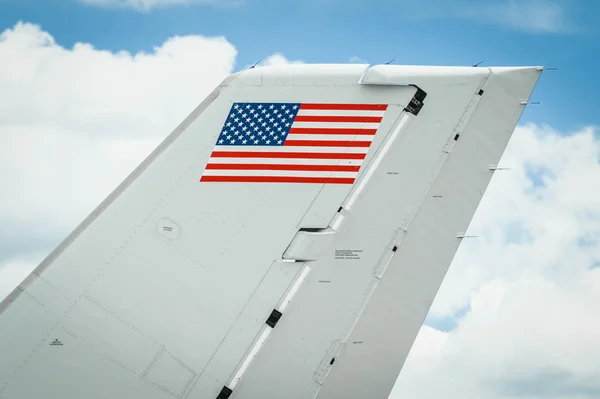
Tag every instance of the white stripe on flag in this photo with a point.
(331, 137)
(333, 112)
(336, 150)
(295, 173)
(287, 161)
(335, 125)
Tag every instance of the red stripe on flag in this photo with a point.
(312, 130)
(351, 107)
(295, 155)
(266, 166)
(278, 179)
(341, 119)
(326, 143)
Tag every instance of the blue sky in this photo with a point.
(74, 123)
(555, 33)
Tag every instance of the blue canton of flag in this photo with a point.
(261, 124)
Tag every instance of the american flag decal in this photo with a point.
(293, 143)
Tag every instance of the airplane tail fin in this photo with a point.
(286, 241)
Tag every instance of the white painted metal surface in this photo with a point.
(164, 290)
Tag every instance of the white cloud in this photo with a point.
(357, 60)
(528, 15)
(145, 5)
(74, 122)
(14, 272)
(533, 16)
(273, 60)
(277, 59)
(530, 280)
(537, 214)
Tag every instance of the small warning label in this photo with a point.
(348, 253)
